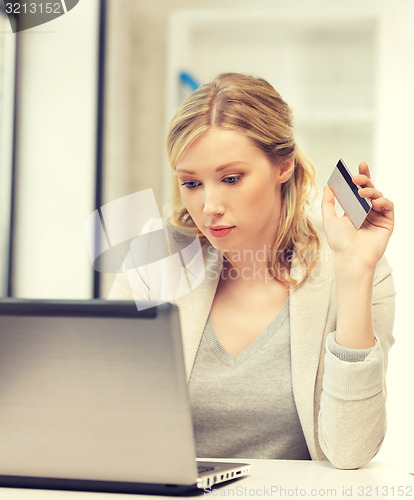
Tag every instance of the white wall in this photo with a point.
(310, 55)
(395, 177)
(56, 155)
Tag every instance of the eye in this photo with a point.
(232, 179)
(190, 184)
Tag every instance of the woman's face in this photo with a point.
(231, 190)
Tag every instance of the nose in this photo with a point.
(213, 204)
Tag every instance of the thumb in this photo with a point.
(328, 205)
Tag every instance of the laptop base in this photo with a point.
(48, 483)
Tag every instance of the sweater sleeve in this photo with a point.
(352, 416)
(345, 353)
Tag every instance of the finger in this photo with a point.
(383, 204)
(362, 180)
(370, 193)
(364, 169)
(382, 213)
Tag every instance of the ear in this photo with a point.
(286, 170)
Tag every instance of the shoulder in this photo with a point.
(163, 261)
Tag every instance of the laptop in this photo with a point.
(93, 397)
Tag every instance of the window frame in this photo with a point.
(8, 105)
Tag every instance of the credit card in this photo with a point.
(346, 192)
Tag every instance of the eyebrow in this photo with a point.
(218, 169)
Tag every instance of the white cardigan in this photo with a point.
(341, 405)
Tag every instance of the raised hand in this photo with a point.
(368, 244)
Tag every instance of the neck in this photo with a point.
(249, 266)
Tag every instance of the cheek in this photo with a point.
(185, 197)
(261, 197)
(190, 202)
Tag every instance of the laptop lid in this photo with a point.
(94, 390)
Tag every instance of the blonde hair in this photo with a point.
(253, 107)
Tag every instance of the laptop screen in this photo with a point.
(93, 390)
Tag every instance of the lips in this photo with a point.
(220, 231)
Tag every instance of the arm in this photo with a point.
(357, 254)
(352, 417)
(354, 290)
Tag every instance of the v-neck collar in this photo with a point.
(257, 344)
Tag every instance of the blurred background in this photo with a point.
(85, 102)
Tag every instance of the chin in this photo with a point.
(218, 245)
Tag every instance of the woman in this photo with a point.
(286, 339)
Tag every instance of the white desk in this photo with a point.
(275, 478)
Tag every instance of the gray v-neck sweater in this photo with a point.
(243, 405)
